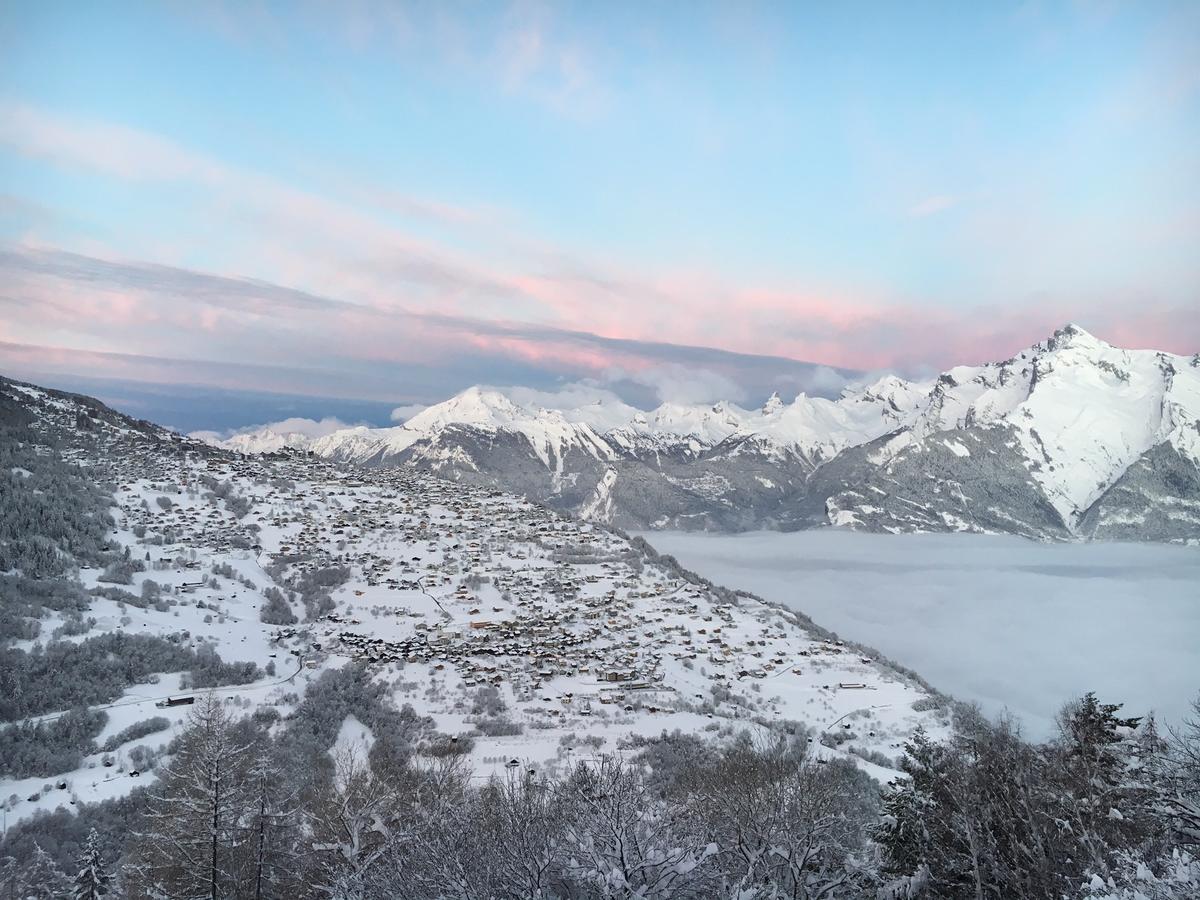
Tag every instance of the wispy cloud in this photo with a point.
(311, 428)
(536, 59)
(66, 312)
(524, 50)
(406, 411)
(136, 155)
(932, 205)
(123, 318)
(336, 249)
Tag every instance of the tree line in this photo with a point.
(257, 807)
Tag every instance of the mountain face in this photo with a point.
(1070, 438)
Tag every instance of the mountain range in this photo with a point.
(1071, 438)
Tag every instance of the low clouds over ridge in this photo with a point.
(87, 315)
(181, 325)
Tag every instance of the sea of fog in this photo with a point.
(999, 620)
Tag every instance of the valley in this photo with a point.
(1007, 623)
(362, 667)
(599, 451)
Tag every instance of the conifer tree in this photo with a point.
(42, 879)
(92, 881)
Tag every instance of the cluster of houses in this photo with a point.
(479, 588)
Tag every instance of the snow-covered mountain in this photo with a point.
(1069, 438)
(812, 426)
(275, 573)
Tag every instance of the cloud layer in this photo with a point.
(88, 315)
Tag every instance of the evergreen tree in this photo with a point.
(41, 879)
(902, 834)
(92, 881)
(1100, 794)
(9, 873)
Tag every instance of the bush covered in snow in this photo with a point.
(43, 749)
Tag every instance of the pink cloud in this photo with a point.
(390, 285)
(237, 320)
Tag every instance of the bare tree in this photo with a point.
(622, 842)
(359, 819)
(784, 823)
(194, 820)
(1179, 790)
(271, 829)
(521, 821)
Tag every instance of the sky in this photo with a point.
(388, 202)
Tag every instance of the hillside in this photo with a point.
(498, 630)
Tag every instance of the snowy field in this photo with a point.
(999, 620)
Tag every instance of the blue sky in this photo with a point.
(599, 191)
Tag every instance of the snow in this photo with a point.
(773, 405)
(267, 440)
(957, 448)
(1087, 445)
(407, 612)
(1082, 412)
(599, 507)
(354, 741)
(813, 426)
(998, 620)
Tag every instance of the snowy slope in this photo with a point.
(266, 440)
(820, 428)
(1082, 410)
(447, 590)
(814, 426)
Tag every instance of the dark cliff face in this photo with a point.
(1156, 499)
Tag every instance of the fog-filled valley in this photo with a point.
(1009, 623)
(232, 676)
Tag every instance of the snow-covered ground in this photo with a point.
(567, 638)
(999, 620)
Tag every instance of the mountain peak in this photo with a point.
(773, 405)
(477, 405)
(1072, 335)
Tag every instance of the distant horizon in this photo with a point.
(198, 407)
